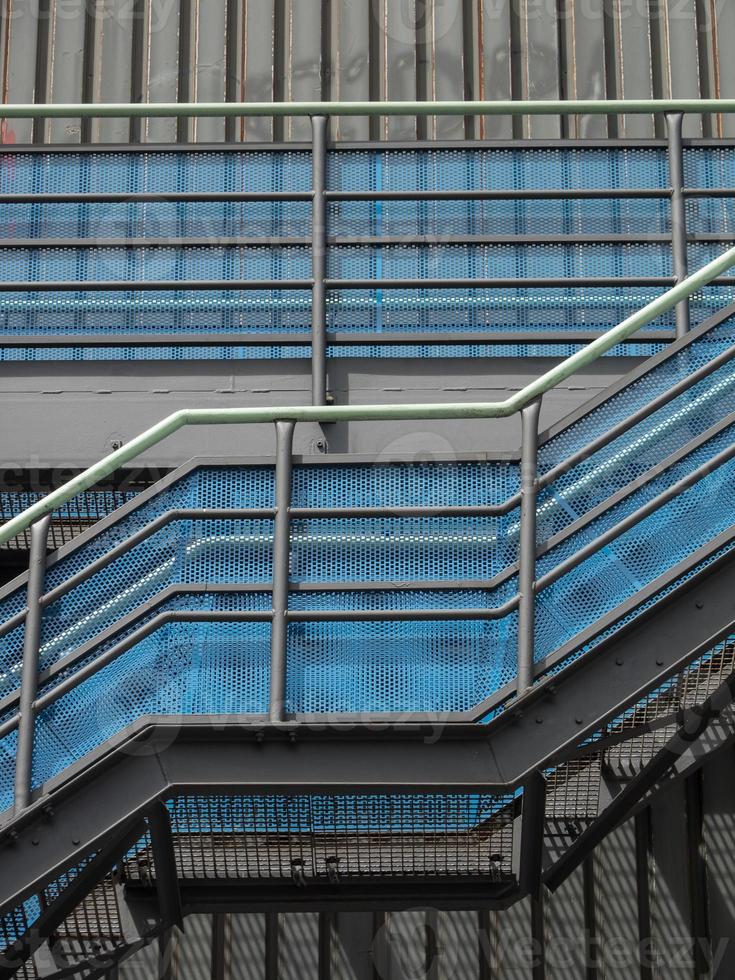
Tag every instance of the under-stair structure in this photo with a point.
(336, 682)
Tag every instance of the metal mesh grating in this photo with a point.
(686, 690)
(573, 789)
(267, 837)
(15, 924)
(499, 169)
(94, 928)
(156, 172)
(70, 520)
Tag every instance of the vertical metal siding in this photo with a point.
(257, 64)
(298, 945)
(671, 913)
(350, 78)
(565, 922)
(718, 827)
(19, 28)
(245, 946)
(160, 42)
(494, 64)
(352, 943)
(117, 50)
(616, 905)
(192, 950)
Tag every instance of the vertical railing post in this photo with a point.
(281, 569)
(29, 674)
(678, 215)
(527, 545)
(318, 261)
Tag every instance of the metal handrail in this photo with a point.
(528, 107)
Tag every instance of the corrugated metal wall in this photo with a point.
(262, 50)
(656, 901)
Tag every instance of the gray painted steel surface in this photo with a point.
(293, 50)
(117, 407)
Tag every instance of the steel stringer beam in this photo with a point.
(388, 894)
(71, 896)
(696, 722)
(159, 758)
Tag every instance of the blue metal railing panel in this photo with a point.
(446, 310)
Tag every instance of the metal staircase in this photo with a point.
(302, 682)
(338, 681)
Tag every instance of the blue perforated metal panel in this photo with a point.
(370, 311)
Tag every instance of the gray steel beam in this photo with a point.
(51, 917)
(678, 215)
(319, 261)
(283, 241)
(29, 676)
(532, 835)
(235, 339)
(696, 721)
(389, 894)
(281, 570)
(164, 860)
(527, 546)
(211, 285)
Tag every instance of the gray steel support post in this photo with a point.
(319, 261)
(527, 548)
(678, 215)
(532, 834)
(29, 675)
(281, 561)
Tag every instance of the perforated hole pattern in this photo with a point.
(369, 311)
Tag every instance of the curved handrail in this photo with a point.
(529, 107)
(360, 413)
